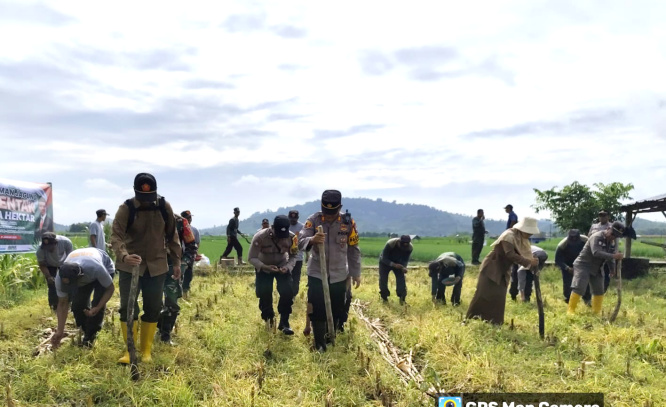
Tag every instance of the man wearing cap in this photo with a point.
(50, 255)
(295, 227)
(513, 218)
(447, 270)
(340, 241)
(478, 236)
(395, 258)
(265, 224)
(511, 247)
(566, 253)
(600, 248)
(143, 228)
(85, 271)
(172, 286)
(232, 238)
(273, 254)
(96, 228)
(603, 224)
(187, 273)
(526, 274)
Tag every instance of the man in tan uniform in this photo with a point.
(142, 229)
(273, 254)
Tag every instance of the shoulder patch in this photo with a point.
(308, 224)
(353, 235)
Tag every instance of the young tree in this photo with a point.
(576, 206)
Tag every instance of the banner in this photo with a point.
(26, 211)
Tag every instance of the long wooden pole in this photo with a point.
(131, 301)
(327, 293)
(618, 276)
(537, 289)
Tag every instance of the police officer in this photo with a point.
(343, 255)
(273, 254)
(602, 225)
(172, 287)
(295, 227)
(187, 273)
(143, 228)
(395, 258)
(601, 247)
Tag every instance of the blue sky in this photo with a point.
(456, 105)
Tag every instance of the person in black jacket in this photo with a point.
(395, 257)
(232, 238)
(565, 255)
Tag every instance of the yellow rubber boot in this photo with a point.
(148, 330)
(125, 359)
(573, 303)
(597, 301)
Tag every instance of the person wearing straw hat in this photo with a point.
(511, 247)
(600, 248)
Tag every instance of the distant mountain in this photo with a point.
(379, 216)
(60, 228)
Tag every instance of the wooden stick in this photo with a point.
(131, 301)
(537, 289)
(327, 293)
(618, 276)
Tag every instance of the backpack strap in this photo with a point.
(132, 213)
(161, 206)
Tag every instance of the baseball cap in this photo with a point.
(617, 228)
(48, 238)
(573, 234)
(281, 226)
(331, 201)
(236, 209)
(186, 214)
(72, 272)
(603, 212)
(293, 213)
(101, 212)
(405, 239)
(264, 220)
(145, 187)
(509, 206)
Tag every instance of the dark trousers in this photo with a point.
(529, 282)
(235, 244)
(264, 290)
(81, 302)
(53, 295)
(438, 290)
(316, 300)
(566, 287)
(187, 277)
(513, 288)
(606, 271)
(345, 313)
(296, 277)
(152, 290)
(477, 246)
(400, 284)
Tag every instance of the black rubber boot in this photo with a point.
(165, 324)
(319, 330)
(284, 325)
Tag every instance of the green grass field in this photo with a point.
(225, 357)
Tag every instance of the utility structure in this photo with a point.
(634, 267)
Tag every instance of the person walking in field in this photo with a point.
(85, 272)
(395, 258)
(273, 254)
(512, 246)
(340, 241)
(600, 248)
(172, 286)
(447, 270)
(566, 253)
(478, 236)
(295, 227)
(188, 273)
(526, 275)
(232, 238)
(96, 231)
(50, 255)
(143, 228)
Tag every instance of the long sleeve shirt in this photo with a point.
(394, 253)
(478, 229)
(595, 253)
(343, 255)
(567, 252)
(232, 227)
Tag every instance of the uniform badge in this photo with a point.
(308, 224)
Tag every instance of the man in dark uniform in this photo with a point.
(478, 236)
(273, 255)
(142, 229)
(395, 257)
(340, 242)
(602, 225)
(232, 238)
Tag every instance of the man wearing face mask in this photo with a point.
(143, 228)
(343, 255)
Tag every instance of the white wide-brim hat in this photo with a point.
(527, 225)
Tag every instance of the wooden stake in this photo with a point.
(134, 288)
(618, 276)
(327, 293)
(537, 289)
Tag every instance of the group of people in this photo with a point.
(148, 238)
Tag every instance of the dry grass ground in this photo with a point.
(224, 356)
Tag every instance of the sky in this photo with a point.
(260, 105)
